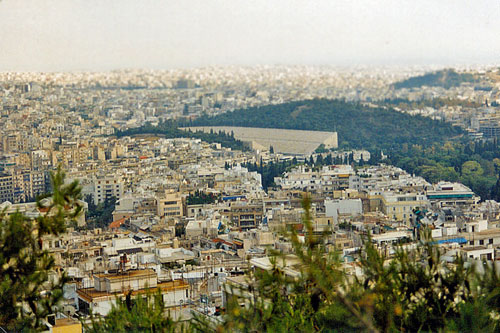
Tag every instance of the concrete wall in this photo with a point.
(103, 307)
(134, 283)
(173, 298)
(332, 141)
(347, 206)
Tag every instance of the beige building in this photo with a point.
(171, 205)
(245, 216)
(399, 206)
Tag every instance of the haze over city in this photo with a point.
(60, 35)
(249, 166)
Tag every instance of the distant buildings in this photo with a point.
(193, 252)
(171, 205)
(446, 194)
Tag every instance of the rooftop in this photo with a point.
(128, 274)
(66, 322)
(91, 294)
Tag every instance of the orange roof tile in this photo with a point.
(118, 223)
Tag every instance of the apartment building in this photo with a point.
(139, 283)
(399, 206)
(245, 216)
(171, 205)
(106, 187)
(445, 194)
(23, 185)
(6, 187)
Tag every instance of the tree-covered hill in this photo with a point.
(358, 126)
(446, 78)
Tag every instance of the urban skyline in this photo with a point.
(60, 35)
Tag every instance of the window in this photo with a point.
(481, 242)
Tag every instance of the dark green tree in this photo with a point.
(27, 295)
(136, 314)
(99, 216)
(328, 159)
(319, 160)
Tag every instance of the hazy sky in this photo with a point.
(52, 35)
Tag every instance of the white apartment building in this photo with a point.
(445, 194)
(106, 187)
(351, 207)
(328, 179)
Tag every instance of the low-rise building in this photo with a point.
(100, 298)
(445, 194)
(400, 206)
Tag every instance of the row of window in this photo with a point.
(481, 241)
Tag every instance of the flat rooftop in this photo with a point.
(90, 294)
(128, 274)
(66, 322)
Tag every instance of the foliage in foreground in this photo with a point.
(138, 314)
(100, 215)
(27, 293)
(415, 291)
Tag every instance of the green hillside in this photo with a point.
(446, 78)
(358, 126)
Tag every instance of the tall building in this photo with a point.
(106, 187)
(170, 205)
(22, 185)
(6, 188)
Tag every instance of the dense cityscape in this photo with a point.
(284, 174)
(191, 217)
